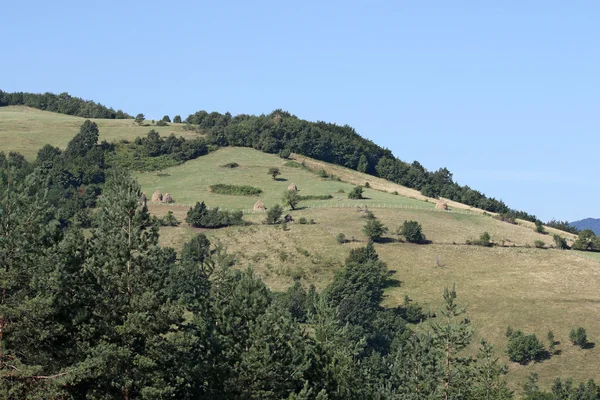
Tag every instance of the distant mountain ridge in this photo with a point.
(588, 223)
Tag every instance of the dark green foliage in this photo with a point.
(560, 242)
(274, 172)
(161, 123)
(524, 348)
(578, 337)
(412, 232)
(374, 229)
(201, 217)
(412, 311)
(562, 225)
(237, 190)
(84, 141)
(140, 118)
(302, 221)
(285, 153)
(551, 342)
(539, 244)
(315, 197)
(155, 152)
(587, 241)
(506, 217)
(539, 227)
(177, 119)
(290, 198)
(62, 103)
(166, 118)
(274, 214)
(169, 220)
(356, 193)
(340, 238)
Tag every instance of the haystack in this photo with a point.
(157, 196)
(441, 205)
(168, 198)
(293, 187)
(259, 206)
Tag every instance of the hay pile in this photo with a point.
(168, 198)
(259, 206)
(157, 196)
(441, 205)
(293, 187)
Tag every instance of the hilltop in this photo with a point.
(513, 283)
(588, 223)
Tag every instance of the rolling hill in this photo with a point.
(512, 284)
(588, 223)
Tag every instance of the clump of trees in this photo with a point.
(562, 225)
(560, 242)
(412, 232)
(587, 241)
(201, 216)
(524, 348)
(578, 337)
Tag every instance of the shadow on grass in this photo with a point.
(281, 179)
(588, 346)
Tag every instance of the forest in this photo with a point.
(91, 307)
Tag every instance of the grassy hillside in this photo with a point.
(531, 289)
(26, 130)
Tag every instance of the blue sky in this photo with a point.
(504, 94)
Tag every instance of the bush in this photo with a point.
(161, 123)
(560, 242)
(524, 348)
(506, 217)
(356, 193)
(169, 220)
(230, 165)
(285, 153)
(539, 227)
(177, 119)
(412, 232)
(302, 221)
(578, 337)
(539, 244)
(374, 230)
(274, 214)
(367, 185)
(341, 238)
(235, 190)
(411, 311)
(316, 197)
(395, 193)
(322, 173)
(166, 118)
(201, 217)
(484, 240)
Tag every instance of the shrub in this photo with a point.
(560, 242)
(356, 193)
(169, 219)
(274, 172)
(524, 348)
(484, 240)
(302, 221)
(395, 193)
(293, 164)
(587, 240)
(374, 230)
(551, 341)
(177, 119)
(411, 311)
(161, 123)
(235, 190)
(367, 185)
(539, 244)
(201, 217)
(412, 232)
(311, 222)
(341, 238)
(285, 153)
(578, 337)
(322, 173)
(230, 165)
(506, 217)
(166, 118)
(274, 214)
(316, 197)
(139, 119)
(539, 227)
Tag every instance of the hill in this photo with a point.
(513, 283)
(588, 223)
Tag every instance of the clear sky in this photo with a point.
(504, 94)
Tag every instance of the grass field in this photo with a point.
(26, 130)
(535, 290)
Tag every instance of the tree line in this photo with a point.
(62, 103)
